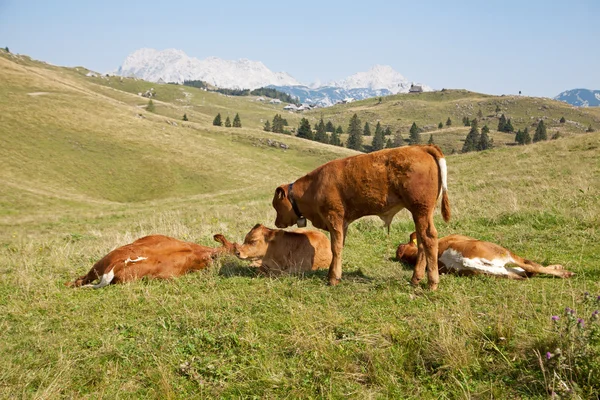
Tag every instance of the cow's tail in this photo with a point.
(436, 152)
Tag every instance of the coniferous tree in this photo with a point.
(217, 121)
(508, 127)
(185, 118)
(430, 141)
(354, 134)
(563, 120)
(502, 123)
(485, 129)
(329, 127)
(378, 139)
(335, 139)
(278, 124)
(267, 127)
(526, 136)
(466, 121)
(518, 137)
(388, 131)
(321, 134)
(389, 144)
(484, 142)
(471, 141)
(150, 107)
(474, 123)
(440, 125)
(367, 129)
(448, 122)
(237, 122)
(6, 49)
(479, 114)
(227, 122)
(540, 132)
(414, 137)
(304, 130)
(339, 130)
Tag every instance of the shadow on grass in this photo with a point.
(233, 268)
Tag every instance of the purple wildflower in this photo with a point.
(580, 322)
(595, 314)
(548, 355)
(555, 318)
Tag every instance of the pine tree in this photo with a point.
(414, 138)
(563, 120)
(150, 107)
(185, 118)
(321, 134)
(479, 114)
(448, 122)
(227, 122)
(237, 122)
(526, 137)
(354, 134)
(6, 49)
(367, 129)
(471, 140)
(378, 139)
(304, 130)
(339, 130)
(502, 123)
(335, 139)
(430, 141)
(267, 127)
(518, 137)
(484, 142)
(485, 129)
(466, 121)
(217, 120)
(440, 125)
(389, 144)
(278, 124)
(329, 127)
(388, 131)
(540, 132)
(508, 127)
(474, 123)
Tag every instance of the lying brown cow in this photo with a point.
(153, 256)
(277, 251)
(467, 256)
(380, 183)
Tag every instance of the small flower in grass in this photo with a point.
(598, 298)
(555, 318)
(580, 322)
(548, 355)
(595, 314)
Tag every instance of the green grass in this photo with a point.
(226, 332)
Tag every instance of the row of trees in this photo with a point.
(237, 122)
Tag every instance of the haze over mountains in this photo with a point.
(174, 65)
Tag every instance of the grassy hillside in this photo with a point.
(82, 172)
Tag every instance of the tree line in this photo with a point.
(263, 91)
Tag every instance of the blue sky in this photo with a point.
(496, 47)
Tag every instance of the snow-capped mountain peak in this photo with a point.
(378, 77)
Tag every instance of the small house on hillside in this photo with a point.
(415, 89)
(348, 100)
(275, 101)
(291, 107)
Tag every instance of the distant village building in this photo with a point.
(160, 81)
(348, 100)
(291, 107)
(275, 101)
(415, 89)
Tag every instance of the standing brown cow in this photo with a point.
(380, 183)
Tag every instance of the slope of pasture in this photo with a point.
(64, 141)
(429, 109)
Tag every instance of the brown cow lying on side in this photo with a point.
(467, 256)
(380, 183)
(276, 251)
(153, 256)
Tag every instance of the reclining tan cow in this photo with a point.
(276, 251)
(380, 183)
(153, 256)
(467, 256)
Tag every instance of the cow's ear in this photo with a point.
(280, 193)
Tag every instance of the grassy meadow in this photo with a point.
(84, 169)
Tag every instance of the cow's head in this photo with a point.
(255, 243)
(407, 252)
(286, 216)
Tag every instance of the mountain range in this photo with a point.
(580, 97)
(174, 65)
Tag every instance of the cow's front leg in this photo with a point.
(337, 244)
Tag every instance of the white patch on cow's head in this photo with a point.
(104, 281)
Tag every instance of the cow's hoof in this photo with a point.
(415, 282)
(333, 281)
(433, 286)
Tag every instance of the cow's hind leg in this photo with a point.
(336, 230)
(533, 268)
(428, 250)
